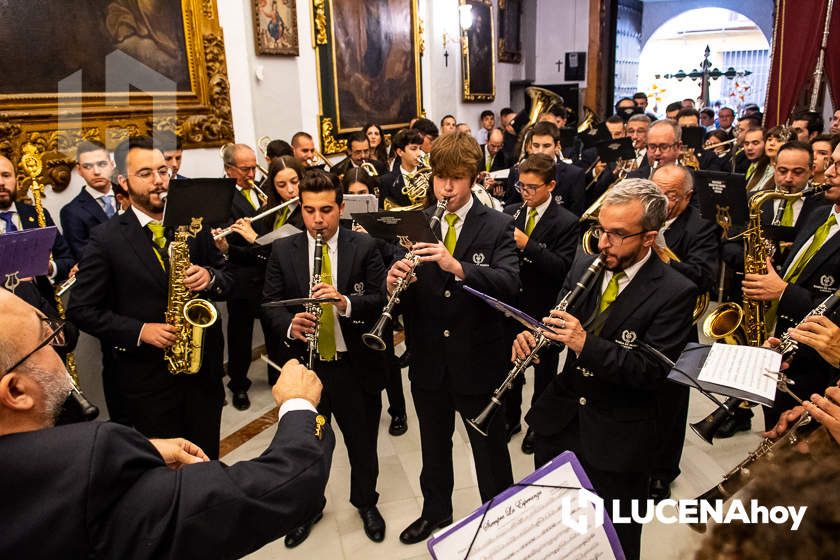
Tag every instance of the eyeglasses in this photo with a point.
(614, 239)
(660, 147)
(147, 174)
(530, 189)
(99, 164)
(56, 339)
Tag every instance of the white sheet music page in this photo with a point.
(742, 368)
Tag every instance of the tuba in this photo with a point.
(190, 316)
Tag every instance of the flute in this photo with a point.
(228, 230)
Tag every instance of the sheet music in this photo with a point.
(500, 174)
(283, 231)
(742, 368)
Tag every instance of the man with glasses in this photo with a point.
(358, 152)
(494, 159)
(695, 242)
(141, 498)
(243, 302)
(546, 235)
(663, 146)
(602, 406)
(121, 296)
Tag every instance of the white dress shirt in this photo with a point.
(629, 273)
(797, 208)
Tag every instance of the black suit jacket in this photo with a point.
(391, 186)
(121, 285)
(546, 258)
(610, 388)
(697, 243)
(100, 490)
(570, 191)
(500, 161)
(78, 217)
(361, 276)
(447, 329)
(246, 271)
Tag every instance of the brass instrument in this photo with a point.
(623, 167)
(373, 339)
(318, 161)
(262, 144)
(481, 423)
(315, 308)
(590, 120)
(189, 315)
(369, 168)
(542, 101)
(416, 188)
(688, 158)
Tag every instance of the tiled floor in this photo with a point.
(340, 535)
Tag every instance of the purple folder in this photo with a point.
(26, 253)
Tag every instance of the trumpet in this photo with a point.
(373, 339)
(315, 308)
(228, 230)
(481, 423)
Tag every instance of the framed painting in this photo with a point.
(478, 50)
(275, 27)
(510, 42)
(107, 69)
(368, 54)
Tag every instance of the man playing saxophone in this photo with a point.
(121, 296)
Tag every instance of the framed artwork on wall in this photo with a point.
(510, 41)
(275, 27)
(478, 50)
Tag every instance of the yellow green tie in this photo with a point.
(326, 330)
(532, 221)
(159, 239)
(787, 215)
(281, 218)
(488, 163)
(247, 194)
(451, 238)
(750, 171)
(611, 292)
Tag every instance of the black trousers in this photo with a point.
(357, 413)
(436, 416)
(609, 485)
(190, 408)
(394, 386)
(544, 372)
(671, 415)
(240, 333)
(114, 399)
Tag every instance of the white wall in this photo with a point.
(561, 26)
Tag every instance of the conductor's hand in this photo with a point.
(826, 410)
(159, 335)
(764, 287)
(437, 253)
(296, 382)
(522, 346)
(567, 329)
(197, 278)
(302, 324)
(399, 269)
(821, 334)
(177, 452)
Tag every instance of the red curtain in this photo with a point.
(832, 63)
(796, 44)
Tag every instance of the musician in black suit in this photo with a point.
(664, 146)
(809, 274)
(570, 189)
(546, 235)
(456, 342)
(99, 489)
(406, 146)
(353, 375)
(602, 406)
(358, 152)
(121, 296)
(695, 242)
(94, 205)
(244, 299)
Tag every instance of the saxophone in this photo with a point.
(187, 314)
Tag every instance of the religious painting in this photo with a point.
(275, 27)
(477, 50)
(368, 54)
(106, 69)
(510, 42)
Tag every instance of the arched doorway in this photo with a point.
(678, 44)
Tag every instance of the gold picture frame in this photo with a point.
(55, 112)
(478, 51)
(275, 27)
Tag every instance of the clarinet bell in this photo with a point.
(709, 426)
(481, 423)
(76, 408)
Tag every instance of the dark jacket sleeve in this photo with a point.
(89, 307)
(555, 260)
(74, 230)
(368, 306)
(279, 318)
(139, 508)
(501, 278)
(61, 253)
(701, 264)
(575, 179)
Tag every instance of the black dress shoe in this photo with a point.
(299, 534)
(513, 430)
(740, 421)
(659, 490)
(421, 529)
(398, 426)
(374, 524)
(528, 442)
(241, 400)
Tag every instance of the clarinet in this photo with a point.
(315, 308)
(481, 422)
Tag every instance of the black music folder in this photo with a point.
(392, 225)
(718, 190)
(210, 199)
(693, 137)
(616, 149)
(594, 135)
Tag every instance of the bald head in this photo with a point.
(677, 184)
(495, 141)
